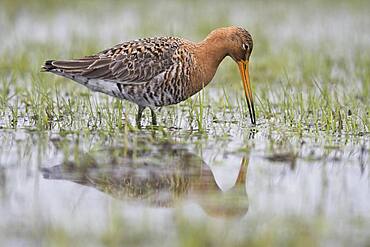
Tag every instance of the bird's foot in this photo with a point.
(139, 115)
(154, 117)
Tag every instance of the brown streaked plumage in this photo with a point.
(160, 71)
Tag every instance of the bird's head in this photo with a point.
(240, 51)
(237, 43)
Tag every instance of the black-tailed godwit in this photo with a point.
(155, 72)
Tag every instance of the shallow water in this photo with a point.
(77, 183)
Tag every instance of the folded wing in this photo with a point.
(130, 62)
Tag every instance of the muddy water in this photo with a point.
(77, 183)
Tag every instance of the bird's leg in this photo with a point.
(154, 117)
(139, 115)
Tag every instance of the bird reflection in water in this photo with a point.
(159, 177)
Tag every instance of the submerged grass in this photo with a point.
(289, 231)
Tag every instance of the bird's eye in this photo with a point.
(245, 47)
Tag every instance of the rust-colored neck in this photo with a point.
(210, 52)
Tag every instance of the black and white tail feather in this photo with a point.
(74, 70)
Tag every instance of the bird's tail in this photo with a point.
(86, 71)
(67, 66)
(48, 66)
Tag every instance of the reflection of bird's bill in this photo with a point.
(244, 73)
(233, 203)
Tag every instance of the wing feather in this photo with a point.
(130, 62)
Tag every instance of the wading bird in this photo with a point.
(160, 71)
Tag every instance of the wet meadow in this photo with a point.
(76, 171)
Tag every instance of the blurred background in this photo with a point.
(48, 29)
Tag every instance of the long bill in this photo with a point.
(244, 72)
